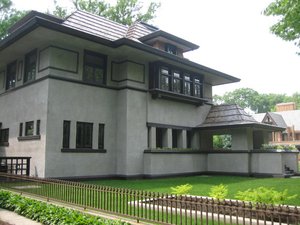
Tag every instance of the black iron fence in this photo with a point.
(15, 165)
(150, 206)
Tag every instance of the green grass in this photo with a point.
(202, 184)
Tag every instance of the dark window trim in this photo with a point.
(101, 136)
(21, 130)
(96, 54)
(90, 146)
(38, 127)
(27, 56)
(82, 150)
(29, 138)
(26, 128)
(66, 133)
(14, 63)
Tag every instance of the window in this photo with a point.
(29, 128)
(94, 67)
(101, 136)
(173, 79)
(21, 130)
(159, 137)
(172, 49)
(4, 136)
(175, 134)
(38, 125)
(187, 84)
(66, 134)
(30, 66)
(164, 79)
(177, 82)
(189, 135)
(84, 135)
(11, 75)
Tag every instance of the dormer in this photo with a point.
(168, 43)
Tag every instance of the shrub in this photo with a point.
(264, 195)
(219, 191)
(278, 147)
(47, 213)
(181, 189)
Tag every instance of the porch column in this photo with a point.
(182, 139)
(167, 138)
(242, 139)
(152, 137)
(195, 140)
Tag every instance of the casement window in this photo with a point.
(29, 128)
(84, 135)
(4, 136)
(66, 134)
(101, 136)
(11, 73)
(175, 134)
(189, 135)
(171, 79)
(94, 68)
(30, 66)
(172, 49)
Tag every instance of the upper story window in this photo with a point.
(172, 49)
(94, 68)
(84, 135)
(168, 78)
(30, 66)
(11, 73)
(4, 136)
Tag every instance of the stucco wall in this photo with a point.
(77, 102)
(173, 163)
(267, 163)
(20, 106)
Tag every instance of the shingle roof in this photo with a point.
(104, 28)
(278, 119)
(226, 116)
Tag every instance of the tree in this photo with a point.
(8, 16)
(288, 26)
(124, 11)
(258, 103)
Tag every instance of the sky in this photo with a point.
(234, 38)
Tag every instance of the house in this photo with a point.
(88, 97)
(287, 116)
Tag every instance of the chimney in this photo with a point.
(285, 106)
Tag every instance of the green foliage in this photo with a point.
(264, 195)
(222, 141)
(288, 26)
(219, 191)
(124, 11)
(258, 103)
(278, 147)
(49, 214)
(181, 189)
(8, 17)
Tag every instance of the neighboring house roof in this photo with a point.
(103, 31)
(227, 116)
(291, 118)
(277, 119)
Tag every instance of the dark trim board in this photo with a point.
(82, 150)
(160, 125)
(124, 61)
(57, 68)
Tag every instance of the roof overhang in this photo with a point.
(254, 126)
(168, 38)
(212, 76)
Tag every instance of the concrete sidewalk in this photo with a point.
(15, 219)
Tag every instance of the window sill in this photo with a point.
(82, 150)
(158, 93)
(29, 138)
(4, 144)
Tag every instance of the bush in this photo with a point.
(219, 191)
(181, 189)
(264, 195)
(278, 147)
(47, 213)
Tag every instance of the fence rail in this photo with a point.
(150, 206)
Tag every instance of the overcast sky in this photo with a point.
(234, 38)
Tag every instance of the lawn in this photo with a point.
(202, 184)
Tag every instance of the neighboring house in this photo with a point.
(285, 116)
(88, 97)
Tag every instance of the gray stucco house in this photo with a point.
(88, 97)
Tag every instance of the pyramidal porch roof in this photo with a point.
(233, 116)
